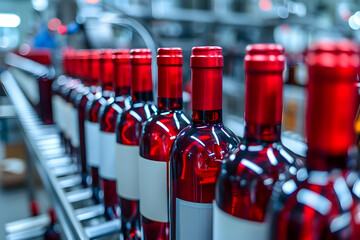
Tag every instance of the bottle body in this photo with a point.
(128, 132)
(244, 188)
(92, 145)
(308, 205)
(321, 202)
(194, 163)
(107, 171)
(158, 135)
(45, 100)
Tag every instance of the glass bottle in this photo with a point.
(86, 97)
(199, 149)
(128, 132)
(92, 123)
(321, 202)
(158, 135)
(248, 175)
(108, 120)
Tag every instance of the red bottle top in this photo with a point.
(107, 67)
(65, 61)
(264, 65)
(78, 68)
(122, 69)
(141, 70)
(84, 64)
(332, 97)
(94, 72)
(206, 65)
(170, 75)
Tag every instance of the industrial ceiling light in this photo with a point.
(9, 20)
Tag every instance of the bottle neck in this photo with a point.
(321, 161)
(169, 104)
(122, 91)
(206, 89)
(262, 133)
(263, 106)
(142, 96)
(206, 117)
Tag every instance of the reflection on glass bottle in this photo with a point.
(158, 135)
(322, 200)
(198, 150)
(128, 132)
(248, 175)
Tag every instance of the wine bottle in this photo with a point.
(157, 137)
(108, 120)
(92, 123)
(248, 175)
(198, 150)
(128, 132)
(322, 201)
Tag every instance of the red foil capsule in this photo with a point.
(170, 62)
(264, 65)
(94, 72)
(141, 70)
(332, 96)
(84, 64)
(122, 69)
(107, 67)
(206, 78)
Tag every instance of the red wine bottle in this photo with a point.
(198, 150)
(320, 202)
(65, 93)
(128, 132)
(52, 232)
(58, 84)
(72, 116)
(108, 120)
(248, 175)
(89, 77)
(158, 135)
(92, 123)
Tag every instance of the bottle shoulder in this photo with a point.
(205, 140)
(168, 123)
(159, 133)
(319, 196)
(262, 161)
(139, 112)
(130, 123)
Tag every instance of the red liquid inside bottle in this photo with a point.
(92, 122)
(52, 232)
(321, 202)
(66, 92)
(45, 83)
(128, 132)
(109, 117)
(86, 93)
(158, 135)
(198, 150)
(248, 175)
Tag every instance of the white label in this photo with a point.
(61, 114)
(75, 135)
(92, 144)
(193, 220)
(127, 171)
(68, 127)
(230, 227)
(107, 155)
(153, 189)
